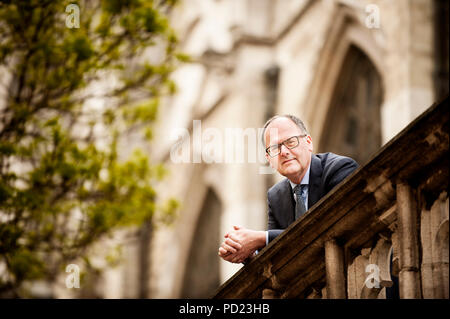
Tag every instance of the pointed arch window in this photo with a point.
(353, 123)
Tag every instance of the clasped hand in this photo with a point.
(240, 244)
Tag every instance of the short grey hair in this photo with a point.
(293, 118)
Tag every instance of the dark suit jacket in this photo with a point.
(327, 170)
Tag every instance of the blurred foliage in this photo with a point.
(64, 181)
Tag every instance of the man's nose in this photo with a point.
(284, 151)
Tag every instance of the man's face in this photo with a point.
(291, 163)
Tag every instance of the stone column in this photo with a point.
(334, 264)
(409, 276)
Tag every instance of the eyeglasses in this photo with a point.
(290, 143)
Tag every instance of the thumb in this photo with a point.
(236, 227)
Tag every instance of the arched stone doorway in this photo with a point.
(202, 273)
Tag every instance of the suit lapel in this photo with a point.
(315, 176)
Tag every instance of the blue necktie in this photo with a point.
(300, 193)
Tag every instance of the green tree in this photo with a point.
(64, 182)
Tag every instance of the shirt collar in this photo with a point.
(305, 179)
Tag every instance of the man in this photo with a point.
(289, 150)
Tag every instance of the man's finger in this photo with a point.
(235, 238)
(233, 243)
(228, 247)
(228, 258)
(223, 252)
